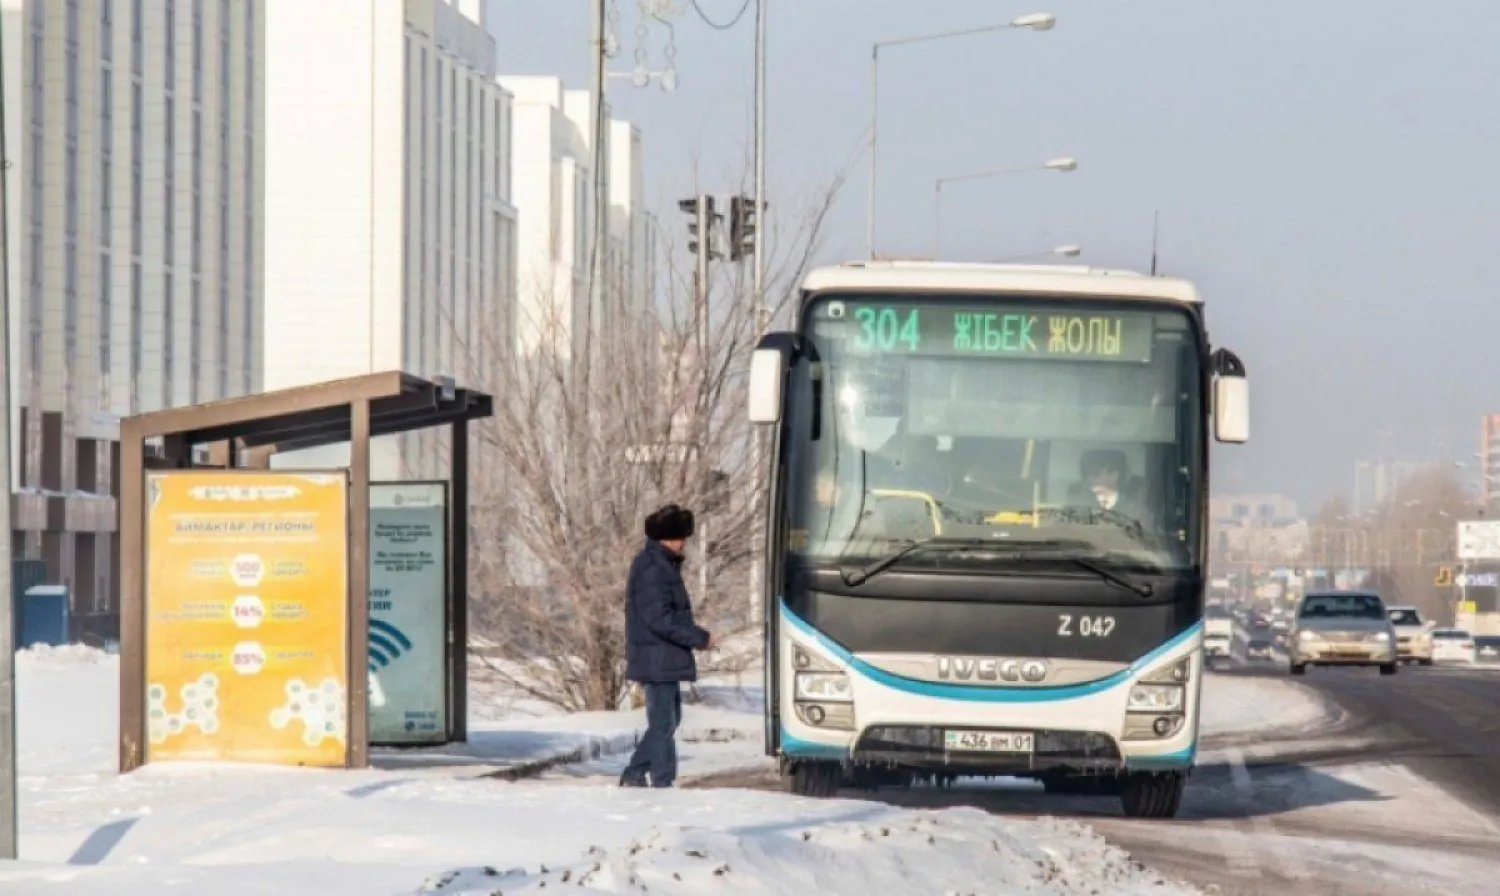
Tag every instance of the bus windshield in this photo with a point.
(1065, 428)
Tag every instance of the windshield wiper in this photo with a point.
(864, 574)
(1142, 589)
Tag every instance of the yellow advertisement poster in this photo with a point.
(246, 615)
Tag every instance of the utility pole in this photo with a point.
(598, 230)
(9, 824)
(762, 312)
(701, 244)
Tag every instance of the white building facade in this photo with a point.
(391, 237)
(552, 165)
(135, 143)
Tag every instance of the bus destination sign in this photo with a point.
(1005, 331)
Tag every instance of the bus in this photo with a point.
(986, 541)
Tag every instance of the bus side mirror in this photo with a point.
(768, 366)
(1231, 399)
(1232, 409)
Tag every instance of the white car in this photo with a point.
(1452, 645)
(1413, 634)
(1218, 631)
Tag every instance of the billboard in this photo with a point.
(247, 599)
(1479, 540)
(408, 659)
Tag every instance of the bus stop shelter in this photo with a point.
(244, 433)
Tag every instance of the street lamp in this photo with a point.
(1037, 21)
(1065, 164)
(1069, 251)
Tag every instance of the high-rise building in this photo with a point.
(1489, 460)
(134, 135)
(390, 233)
(1376, 482)
(552, 163)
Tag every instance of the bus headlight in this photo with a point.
(824, 687)
(1155, 698)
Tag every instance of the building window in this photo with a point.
(197, 51)
(169, 184)
(137, 302)
(106, 29)
(171, 50)
(197, 259)
(168, 300)
(195, 342)
(137, 126)
(106, 151)
(137, 36)
(106, 325)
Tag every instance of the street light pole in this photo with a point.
(1062, 164)
(762, 312)
(1038, 21)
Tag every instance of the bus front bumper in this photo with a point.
(1088, 728)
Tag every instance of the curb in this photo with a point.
(593, 748)
(601, 747)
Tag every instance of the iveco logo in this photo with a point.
(964, 668)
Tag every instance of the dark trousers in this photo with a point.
(657, 750)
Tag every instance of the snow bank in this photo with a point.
(913, 852)
(1238, 704)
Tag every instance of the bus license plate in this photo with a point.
(990, 741)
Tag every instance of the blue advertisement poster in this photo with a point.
(408, 612)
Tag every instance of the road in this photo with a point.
(1351, 809)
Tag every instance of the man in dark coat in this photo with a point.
(1106, 485)
(660, 638)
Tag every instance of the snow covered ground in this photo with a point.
(434, 822)
(1234, 704)
(439, 821)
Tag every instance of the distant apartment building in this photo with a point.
(552, 167)
(1489, 460)
(136, 155)
(390, 229)
(1377, 482)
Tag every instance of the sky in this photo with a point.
(1325, 170)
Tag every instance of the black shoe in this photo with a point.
(632, 782)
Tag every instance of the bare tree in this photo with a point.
(604, 414)
(1404, 543)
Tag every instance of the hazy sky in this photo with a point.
(1326, 170)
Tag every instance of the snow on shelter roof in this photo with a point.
(1028, 279)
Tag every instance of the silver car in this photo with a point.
(1342, 628)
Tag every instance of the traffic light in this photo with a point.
(743, 219)
(701, 224)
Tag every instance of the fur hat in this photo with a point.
(670, 523)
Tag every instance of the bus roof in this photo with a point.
(1030, 279)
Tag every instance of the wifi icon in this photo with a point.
(387, 643)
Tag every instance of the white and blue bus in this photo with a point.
(986, 537)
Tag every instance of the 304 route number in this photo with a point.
(1087, 627)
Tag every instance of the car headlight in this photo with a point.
(1380, 637)
(1155, 698)
(827, 687)
(1307, 635)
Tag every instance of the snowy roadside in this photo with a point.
(253, 829)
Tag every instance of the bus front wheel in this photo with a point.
(812, 778)
(1152, 794)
